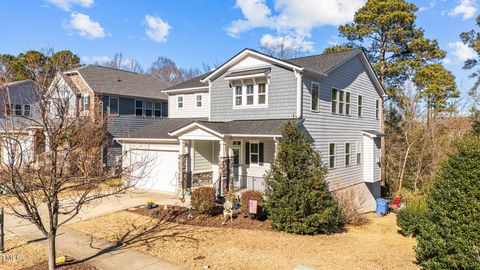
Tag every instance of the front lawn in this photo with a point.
(376, 245)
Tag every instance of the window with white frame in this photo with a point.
(341, 102)
(149, 109)
(360, 106)
(199, 100)
(334, 100)
(262, 93)
(139, 107)
(27, 110)
(347, 153)
(315, 97)
(113, 105)
(250, 94)
(347, 103)
(377, 109)
(332, 151)
(180, 102)
(18, 109)
(85, 102)
(359, 153)
(158, 109)
(254, 153)
(238, 95)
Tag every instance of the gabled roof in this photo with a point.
(193, 83)
(161, 128)
(324, 63)
(105, 80)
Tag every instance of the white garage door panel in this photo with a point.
(160, 171)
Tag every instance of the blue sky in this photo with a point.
(195, 31)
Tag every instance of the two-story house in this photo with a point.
(336, 99)
(126, 100)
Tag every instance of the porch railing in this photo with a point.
(250, 182)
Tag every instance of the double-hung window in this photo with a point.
(27, 110)
(199, 101)
(347, 103)
(113, 105)
(254, 153)
(347, 153)
(180, 102)
(334, 100)
(86, 102)
(149, 108)
(359, 153)
(332, 151)
(238, 95)
(139, 107)
(158, 109)
(18, 109)
(262, 93)
(341, 102)
(315, 97)
(377, 109)
(360, 106)
(250, 94)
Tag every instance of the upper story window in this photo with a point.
(18, 109)
(360, 106)
(180, 102)
(139, 107)
(250, 94)
(149, 109)
(347, 153)
(315, 97)
(27, 110)
(199, 101)
(334, 100)
(158, 109)
(332, 151)
(341, 102)
(377, 109)
(113, 105)
(85, 102)
(347, 103)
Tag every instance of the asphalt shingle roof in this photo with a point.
(323, 63)
(107, 80)
(192, 83)
(160, 129)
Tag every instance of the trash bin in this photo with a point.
(382, 207)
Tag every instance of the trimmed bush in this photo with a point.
(449, 238)
(411, 217)
(298, 198)
(203, 200)
(251, 195)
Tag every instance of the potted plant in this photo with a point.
(150, 204)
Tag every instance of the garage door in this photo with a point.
(159, 172)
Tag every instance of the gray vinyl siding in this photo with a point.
(281, 98)
(202, 156)
(190, 108)
(325, 127)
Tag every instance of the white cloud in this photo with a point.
(157, 29)
(85, 26)
(467, 8)
(67, 4)
(295, 19)
(290, 42)
(95, 59)
(461, 51)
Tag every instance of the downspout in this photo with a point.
(298, 75)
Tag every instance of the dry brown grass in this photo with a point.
(376, 245)
(20, 254)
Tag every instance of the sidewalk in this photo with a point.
(95, 251)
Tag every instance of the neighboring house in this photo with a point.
(21, 138)
(336, 99)
(127, 100)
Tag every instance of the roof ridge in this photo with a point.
(17, 82)
(319, 54)
(112, 68)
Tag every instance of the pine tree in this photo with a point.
(449, 237)
(298, 198)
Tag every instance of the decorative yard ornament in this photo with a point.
(252, 206)
(227, 211)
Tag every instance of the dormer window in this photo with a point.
(250, 93)
(238, 95)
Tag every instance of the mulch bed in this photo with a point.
(71, 266)
(179, 215)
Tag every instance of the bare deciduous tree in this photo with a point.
(166, 70)
(52, 165)
(283, 47)
(125, 64)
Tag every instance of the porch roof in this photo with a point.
(271, 127)
(160, 129)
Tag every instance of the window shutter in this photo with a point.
(247, 153)
(260, 153)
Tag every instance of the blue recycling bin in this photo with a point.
(382, 207)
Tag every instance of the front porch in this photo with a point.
(225, 161)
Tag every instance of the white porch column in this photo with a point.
(223, 149)
(275, 140)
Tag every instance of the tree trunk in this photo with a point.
(402, 172)
(51, 250)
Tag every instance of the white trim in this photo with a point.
(370, 135)
(183, 102)
(253, 135)
(244, 53)
(258, 75)
(209, 100)
(349, 154)
(298, 75)
(360, 106)
(255, 95)
(318, 96)
(201, 100)
(257, 142)
(109, 105)
(144, 140)
(184, 89)
(195, 124)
